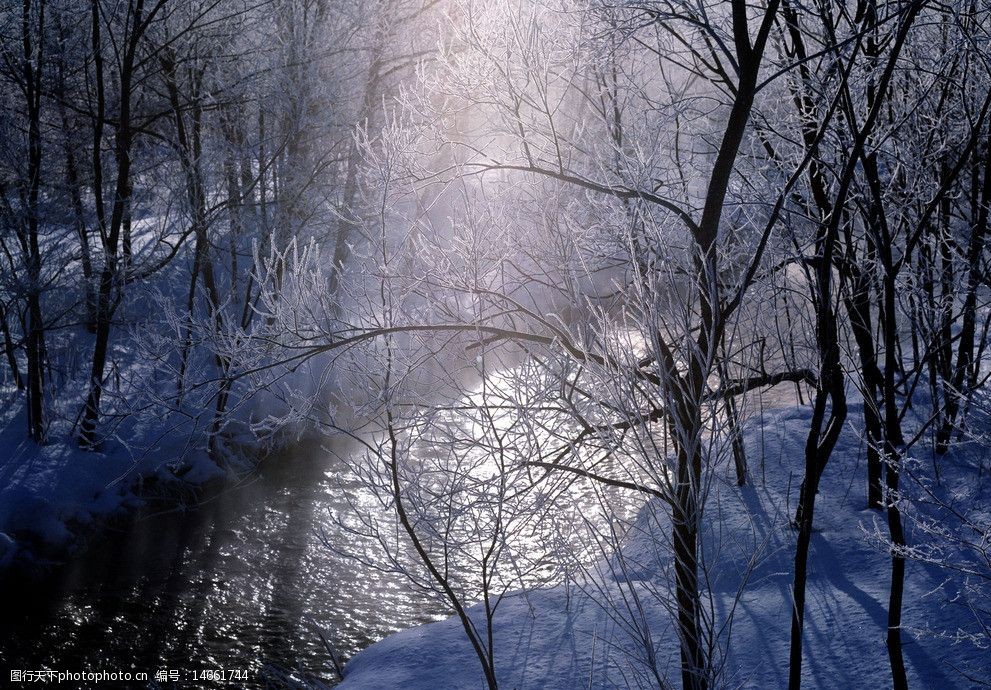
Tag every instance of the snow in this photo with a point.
(565, 637)
(50, 493)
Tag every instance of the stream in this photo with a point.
(250, 588)
(243, 585)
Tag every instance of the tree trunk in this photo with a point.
(965, 349)
(694, 668)
(108, 297)
(8, 346)
(35, 325)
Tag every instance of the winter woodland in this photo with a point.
(660, 328)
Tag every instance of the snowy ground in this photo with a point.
(564, 637)
(50, 494)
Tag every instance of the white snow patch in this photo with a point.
(560, 639)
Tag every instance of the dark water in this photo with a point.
(242, 583)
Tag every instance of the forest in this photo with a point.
(648, 340)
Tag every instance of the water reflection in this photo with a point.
(242, 582)
(245, 581)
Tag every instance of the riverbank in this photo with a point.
(590, 634)
(55, 496)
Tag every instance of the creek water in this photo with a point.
(246, 583)
(258, 582)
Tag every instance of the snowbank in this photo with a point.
(566, 638)
(47, 493)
